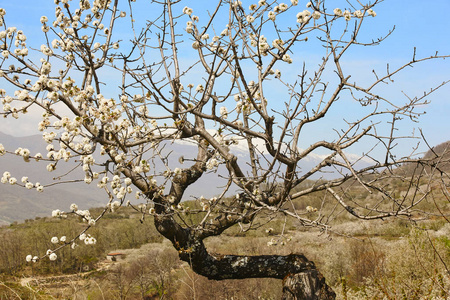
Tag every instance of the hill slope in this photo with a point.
(17, 203)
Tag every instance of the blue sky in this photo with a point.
(420, 25)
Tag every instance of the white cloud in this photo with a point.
(27, 124)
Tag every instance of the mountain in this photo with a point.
(439, 161)
(442, 150)
(17, 203)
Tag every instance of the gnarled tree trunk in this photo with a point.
(308, 285)
(301, 279)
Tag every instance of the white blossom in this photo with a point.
(187, 10)
(283, 6)
(272, 242)
(337, 12)
(56, 213)
(311, 209)
(316, 15)
(177, 171)
(200, 88)
(287, 58)
(224, 32)
(90, 240)
(278, 43)
(347, 15)
(358, 14)
(277, 73)
(115, 205)
(51, 167)
(250, 18)
(224, 112)
(303, 16)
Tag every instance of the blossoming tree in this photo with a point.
(116, 101)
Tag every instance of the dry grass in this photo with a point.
(406, 263)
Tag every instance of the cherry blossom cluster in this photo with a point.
(87, 239)
(62, 241)
(67, 42)
(357, 13)
(120, 188)
(84, 214)
(7, 178)
(245, 105)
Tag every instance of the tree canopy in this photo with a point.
(120, 87)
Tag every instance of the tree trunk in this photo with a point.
(301, 279)
(308, 285)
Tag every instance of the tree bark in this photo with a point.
(309, 285)
(301, 279)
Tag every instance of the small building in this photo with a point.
(115, 256)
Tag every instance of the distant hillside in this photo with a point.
(17, 204)
(441, 150)
(438, 156)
